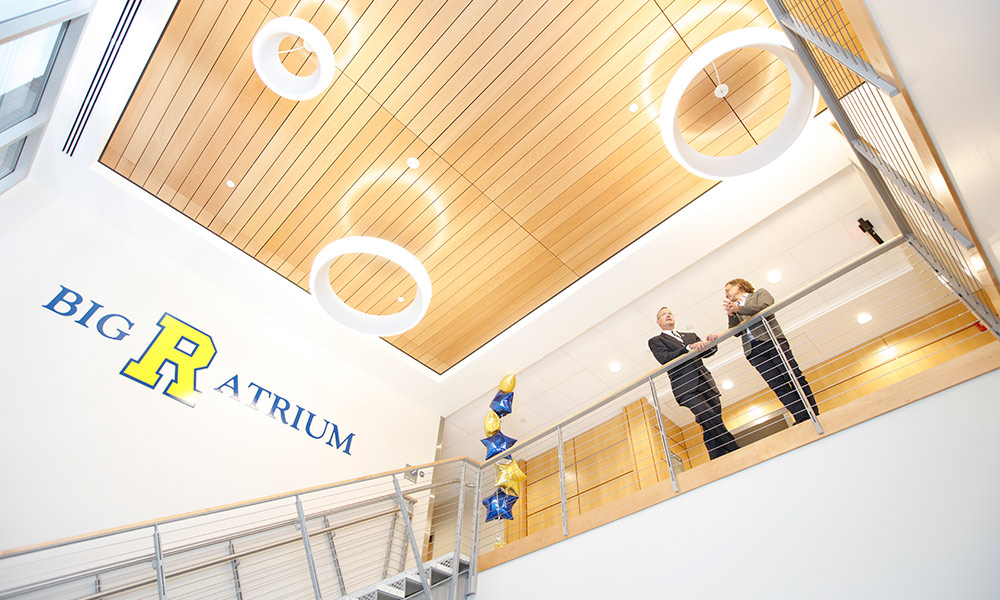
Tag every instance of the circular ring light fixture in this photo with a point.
(381, 325)
(267, 61)
(801, 105)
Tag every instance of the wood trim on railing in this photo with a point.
(941, 377)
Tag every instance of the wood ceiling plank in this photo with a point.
(491, 82)
(438, 49)
(568, 209)
(501, 311)
(489, 58)
(379, 205)
(595, 81)
(589, 254)
(194, 39)
(433, 236)
(233, 65)
(267, 137)
(380, 23)
(507, 311)
(318, 228)
(235, 20)
(594, 129)
(584, 150)
(149, 83)
(462, 291)
(474, 26)
(415, 208)
(342, 175)
(522, 116)
(512, 87)
(264, 112)
(292, 174)
(425, 23)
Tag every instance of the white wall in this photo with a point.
(902, 506)
(86, 448)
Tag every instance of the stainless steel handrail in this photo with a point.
(729, 333)
(90, 537)
(62, 579)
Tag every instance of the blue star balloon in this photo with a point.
(501, 403)
(497, 443)
(499, 506)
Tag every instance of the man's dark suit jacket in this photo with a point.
(756, 302)
(684, 378)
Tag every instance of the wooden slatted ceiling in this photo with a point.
(532, 169)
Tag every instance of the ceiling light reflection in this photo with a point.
(727, 385)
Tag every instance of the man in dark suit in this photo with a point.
(692, 383)
(742, 303)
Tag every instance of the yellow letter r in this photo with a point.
(165, 348)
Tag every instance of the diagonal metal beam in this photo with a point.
(855, 63)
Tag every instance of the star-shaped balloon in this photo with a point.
(499, 505)
(501, 403)
(491, 424)
(507, 384)
(509, 476)
(497, 443)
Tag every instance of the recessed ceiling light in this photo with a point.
(615, 367)
(888, 353)
(412, 162)
(400, 299)
(864, 318)
(774, 276)
(230, 183)
(977, 262)
(633, 107)
(727, 385)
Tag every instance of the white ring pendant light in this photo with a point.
(801, 105)
(267, 60)
(381, 325)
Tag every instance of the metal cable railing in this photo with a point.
(403, 534)
(334, 541)
(859, 101)
(828, 355)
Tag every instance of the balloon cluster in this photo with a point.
(509, 476)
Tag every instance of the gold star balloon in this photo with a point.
(499, 543)
(509, 477)
(491, 424)
(507, 384)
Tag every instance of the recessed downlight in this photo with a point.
(633, 107)
(864, 318)
(727, 385)
(774, 276)
(400, 299)
(413, 162)
(230, 183)
(615, 367)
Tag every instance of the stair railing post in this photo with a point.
(161, 582)
(563, 507)
(663, 434)
(413, 539)
(235, 565)
(308, 547)
(333, 555)
(388, 546)
(456, 559)
(471, 581)
(792, 377)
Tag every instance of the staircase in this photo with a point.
(408, 585)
